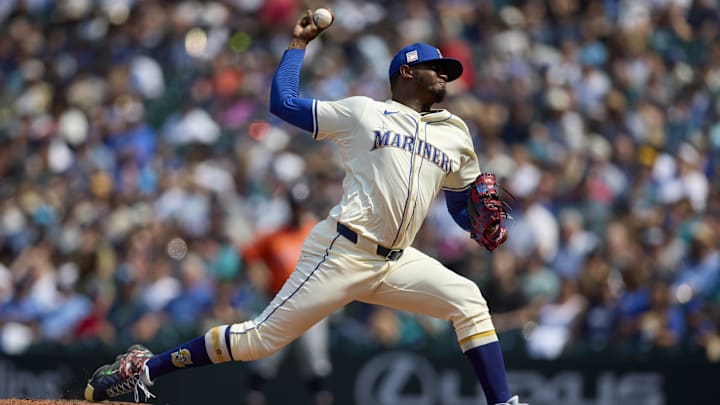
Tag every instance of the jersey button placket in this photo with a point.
(416, 172)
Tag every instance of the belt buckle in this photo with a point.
(394, 254)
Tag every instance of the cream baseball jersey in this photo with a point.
(396, 160)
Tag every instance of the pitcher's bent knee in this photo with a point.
(248, 343)
(472, 322)
(239, 342)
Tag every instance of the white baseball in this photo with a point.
(177, 248)
(323, 18)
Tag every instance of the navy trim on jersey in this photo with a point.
(227, 342)
(410, 185)
(417, 178)
(315, 119)
(260, 323)
(285, 100)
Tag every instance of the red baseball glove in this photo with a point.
(487, 212)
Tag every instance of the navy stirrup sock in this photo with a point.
(487, 361)
(188, 354)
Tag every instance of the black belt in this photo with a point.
(352, 236)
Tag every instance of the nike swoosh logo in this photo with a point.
(386, 112)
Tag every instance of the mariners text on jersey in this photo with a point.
(406, 142)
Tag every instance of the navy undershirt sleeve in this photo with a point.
(285, 100)
(457, 206)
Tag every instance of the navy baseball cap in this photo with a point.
(420, 53)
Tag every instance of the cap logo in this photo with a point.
(411, 56)
(439, 54)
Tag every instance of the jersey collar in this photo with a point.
(432, 116)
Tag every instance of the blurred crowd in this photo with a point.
(138, 157)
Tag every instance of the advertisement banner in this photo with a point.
(398, 377)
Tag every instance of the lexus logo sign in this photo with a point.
(406, 378)
(385, 379)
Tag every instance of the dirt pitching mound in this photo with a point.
(15, 401)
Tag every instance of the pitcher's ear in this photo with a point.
(405, 71)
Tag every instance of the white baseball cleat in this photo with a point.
(513, 401)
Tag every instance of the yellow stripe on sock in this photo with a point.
(478, 336)
(216, 344)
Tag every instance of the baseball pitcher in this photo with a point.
(398, 155)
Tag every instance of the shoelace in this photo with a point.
(135, 384)
(132, 382)
(140, 384)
